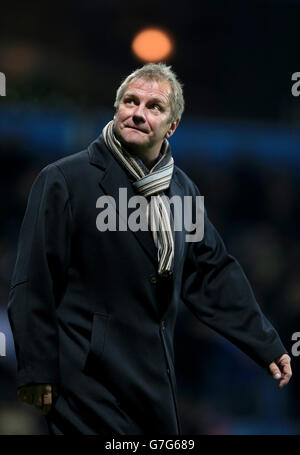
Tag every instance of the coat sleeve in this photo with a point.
(39, 278)
(218, 293)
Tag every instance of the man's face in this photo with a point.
(142, 121)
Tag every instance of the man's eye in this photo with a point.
(129, 101)
(155, 107)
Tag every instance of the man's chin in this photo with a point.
(133, 136)
(135, 143)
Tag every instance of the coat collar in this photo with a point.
(115, 177)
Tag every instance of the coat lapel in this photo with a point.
(110, 181)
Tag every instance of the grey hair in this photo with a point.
(158, 72)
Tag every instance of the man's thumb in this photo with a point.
(274, 371)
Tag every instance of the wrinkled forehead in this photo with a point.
(150, 87)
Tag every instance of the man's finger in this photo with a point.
(48, 388)
(274, 370)
(284, 382)
(47, 398)
(287, 370)
(281, 369)
(286, 377)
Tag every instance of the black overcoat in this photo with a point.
(89, 313)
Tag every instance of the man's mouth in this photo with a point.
(137, 129)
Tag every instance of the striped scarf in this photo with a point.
(150, 183)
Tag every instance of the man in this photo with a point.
(93, 310)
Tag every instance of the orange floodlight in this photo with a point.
(152, 45)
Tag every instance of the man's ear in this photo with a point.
(172, 128)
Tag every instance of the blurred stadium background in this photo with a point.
(239, 140)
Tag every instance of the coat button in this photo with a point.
(163, 325)
(153, 279)
(168, 371)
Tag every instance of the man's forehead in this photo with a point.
(154, 88)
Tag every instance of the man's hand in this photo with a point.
(281, 369)
(39, 395)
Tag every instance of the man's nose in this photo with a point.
(139, 114)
